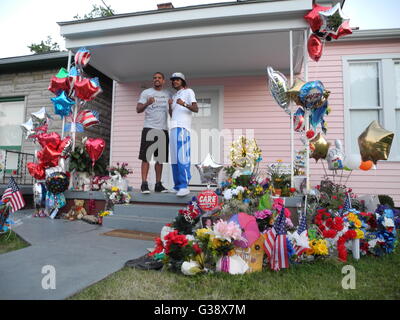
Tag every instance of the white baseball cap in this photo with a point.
(178, 75)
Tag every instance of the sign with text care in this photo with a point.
(207, 200)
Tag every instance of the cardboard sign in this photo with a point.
(253, 256)
(207, 200)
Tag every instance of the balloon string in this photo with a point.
(348, 177)
(323, 166)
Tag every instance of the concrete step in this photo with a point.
(142, 217)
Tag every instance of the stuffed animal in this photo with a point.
(77, 211)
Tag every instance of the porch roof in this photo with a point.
(229, 39)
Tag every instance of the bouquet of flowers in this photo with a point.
(116, 196)
(279, 176)
(244, 154)
(122, 169)
(187, 218)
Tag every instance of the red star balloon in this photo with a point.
(58, 84)
(86, 89)
(313, 18)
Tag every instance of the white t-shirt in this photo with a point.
(156, 114)
(182, 116)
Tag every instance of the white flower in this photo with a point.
(239, 189)
(190, 268)
(227, 194)
(190, 237)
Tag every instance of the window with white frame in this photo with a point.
(12, 114)
(372, 92)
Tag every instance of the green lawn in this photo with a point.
(10, 241)
(376, 278)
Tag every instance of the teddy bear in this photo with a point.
(77, 211)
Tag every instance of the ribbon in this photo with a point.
(225, 263)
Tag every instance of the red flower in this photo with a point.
(329, 233)
(334, 197)
(196, 248)
(159, 247)
(292, 190)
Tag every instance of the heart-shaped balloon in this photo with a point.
(48, 157)
(95, 148)
(36, 170)
(51, 139)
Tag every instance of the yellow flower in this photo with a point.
(114, 189)
(357, 224)
(104, 213)
(216, 243)
(318, 247)
(360, 234)
(279, 160)
(202, 233)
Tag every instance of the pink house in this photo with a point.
(224, 49)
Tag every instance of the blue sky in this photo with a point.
(23, 22)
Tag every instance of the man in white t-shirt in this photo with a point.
(182, 106)
(154, 141)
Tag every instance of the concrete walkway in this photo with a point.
(80, 255)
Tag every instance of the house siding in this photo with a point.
(247, 104)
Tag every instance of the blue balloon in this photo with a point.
(62, 104)
(311, 94)
(317, 115)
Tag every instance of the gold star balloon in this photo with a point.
(293, 92)
(319, 147)
(375, 143)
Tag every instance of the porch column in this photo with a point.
(307, 112)
(291, 111)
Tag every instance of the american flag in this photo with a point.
(82, 57)
(13, 195)
(275, 244)
(347, 203)
(302, 227)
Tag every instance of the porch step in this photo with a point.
(142, 217)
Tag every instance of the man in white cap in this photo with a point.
(181, 107)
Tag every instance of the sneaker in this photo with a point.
(172, 190)
(183, 192)
(145, 187)
(159, 187)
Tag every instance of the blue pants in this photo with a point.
(180, 157)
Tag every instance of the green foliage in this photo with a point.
(377, 279)
(10, 241)
(46, 46)
(229, 171)
(385, 199)
(80, 161)
(97, 12)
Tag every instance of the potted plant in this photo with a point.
(280, 177)
(118, 175)
(81, 164)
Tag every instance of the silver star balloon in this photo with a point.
(278, 86)
(209, 170)
(40, 117)
(27, 128)
(332, 20)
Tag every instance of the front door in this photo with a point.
(205, 135)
